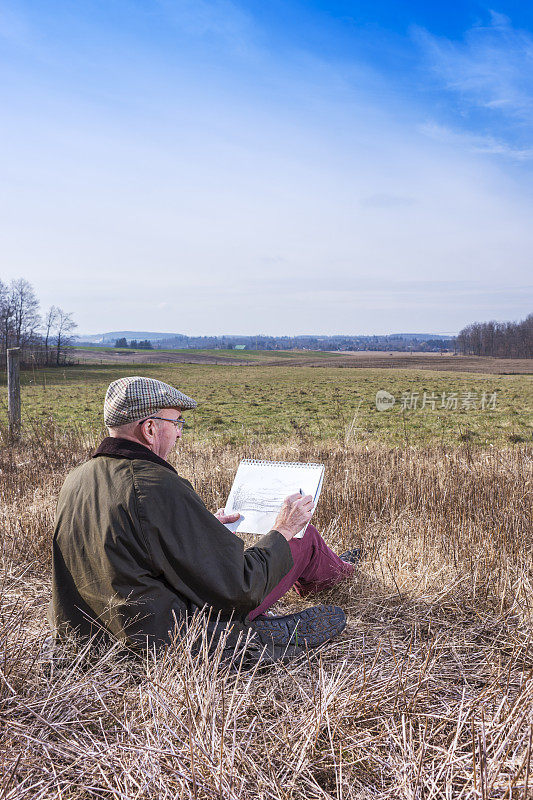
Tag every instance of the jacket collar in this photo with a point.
(125, 448)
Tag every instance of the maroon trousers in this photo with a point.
(316, 567)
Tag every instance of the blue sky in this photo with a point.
(277, 167)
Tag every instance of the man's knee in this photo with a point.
(311, 534)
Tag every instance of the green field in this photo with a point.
(241, 403)
(254, 356)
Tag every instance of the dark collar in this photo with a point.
(125, 448)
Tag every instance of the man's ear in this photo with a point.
(148, 429)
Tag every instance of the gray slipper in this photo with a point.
(352, 556)
(309, 628)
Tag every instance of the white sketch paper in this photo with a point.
(260, 487)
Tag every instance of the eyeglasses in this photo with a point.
(178, 423)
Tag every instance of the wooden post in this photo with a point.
(13, 391)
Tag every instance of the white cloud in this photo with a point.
(221, 19)
(492, 68)
(488, 145)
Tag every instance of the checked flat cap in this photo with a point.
(130, 399)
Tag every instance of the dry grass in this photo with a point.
(428, 693)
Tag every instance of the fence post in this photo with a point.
(13, 391)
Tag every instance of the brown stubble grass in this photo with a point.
(427, 694)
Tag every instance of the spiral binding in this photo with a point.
(280, 463)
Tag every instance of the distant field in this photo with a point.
(262, 402)
(307, 358)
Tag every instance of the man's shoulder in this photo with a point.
(158, 486)
(94, 466)
(146, 477)
(148, 473)
(95, 471)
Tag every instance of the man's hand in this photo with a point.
(226, 518)
(294, 515)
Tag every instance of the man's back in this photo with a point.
(135, 549)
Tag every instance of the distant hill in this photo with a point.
(112, 336)
(405, 342)
(421, 337)
(155, 336)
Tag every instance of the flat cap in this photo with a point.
(133, 398)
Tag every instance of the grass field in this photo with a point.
(270, 403)
(427, 695)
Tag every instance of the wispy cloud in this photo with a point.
(489, 145)
(222, 20)
(491, 68)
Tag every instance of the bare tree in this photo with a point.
(26, 317)
(503, 339)
(48, 326)
(20, 324)
(64, 325)
(6, 316)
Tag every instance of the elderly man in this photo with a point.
(136, 552)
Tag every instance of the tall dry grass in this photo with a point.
(428, 693)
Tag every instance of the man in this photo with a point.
(136, 552)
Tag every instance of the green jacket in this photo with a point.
(135, 549)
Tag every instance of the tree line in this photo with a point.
(143, 344)
(43, 339)
(500, 339)
(394, 342)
